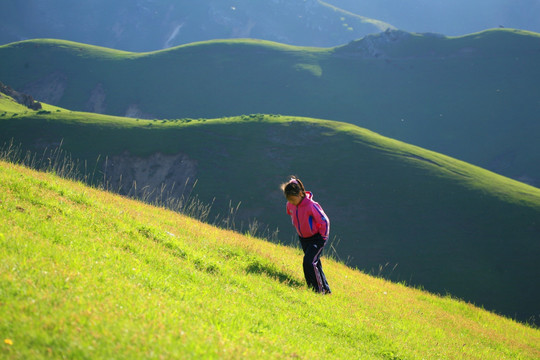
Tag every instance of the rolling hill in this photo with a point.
(147, 25)
(89, 274)
(474, 97)
(397, 210)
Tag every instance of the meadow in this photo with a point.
(403, 212)
(87, 274)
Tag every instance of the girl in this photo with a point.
(313, 228)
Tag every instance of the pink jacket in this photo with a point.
(309, 218)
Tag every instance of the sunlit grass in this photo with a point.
(88, 274)
(437, 222)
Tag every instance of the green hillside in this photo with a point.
(404, 212)
(86, 274)
(473, 97)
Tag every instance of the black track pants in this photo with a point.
(315, 278)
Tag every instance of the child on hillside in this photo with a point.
(313, 228)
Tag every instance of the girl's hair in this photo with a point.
(293, 187)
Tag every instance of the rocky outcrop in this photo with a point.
(49, 89)
(20, 98)
(155, 177)
(374, 46)
(96, 102)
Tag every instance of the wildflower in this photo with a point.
(8, 341)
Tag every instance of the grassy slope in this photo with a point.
(469, 97)
(87, 274)
(448, 226)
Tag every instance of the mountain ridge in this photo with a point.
(470, 106)
(149, 25)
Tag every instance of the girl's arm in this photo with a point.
(321, 220)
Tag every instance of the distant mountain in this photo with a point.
(147, 25)
(399, 211)
(474, 97)
(456, 17)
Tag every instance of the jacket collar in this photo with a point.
(307, 199)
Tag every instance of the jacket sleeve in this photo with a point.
(321, 220)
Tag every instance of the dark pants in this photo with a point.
(313, 247)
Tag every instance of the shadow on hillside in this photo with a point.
(257, 267)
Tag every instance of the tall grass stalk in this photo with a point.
(60, 162)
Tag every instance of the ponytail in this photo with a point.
(293, 187)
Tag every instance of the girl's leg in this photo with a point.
(323, 283)
(313, 272)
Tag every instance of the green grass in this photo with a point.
(436, 221)
(86, 274)
(9, 107)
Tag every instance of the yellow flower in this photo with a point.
(8, 341)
